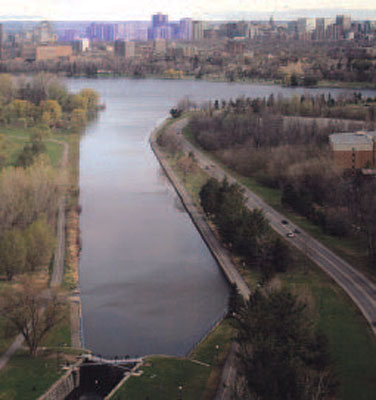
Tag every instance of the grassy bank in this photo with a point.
(162, 376)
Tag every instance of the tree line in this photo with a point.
(246, 232)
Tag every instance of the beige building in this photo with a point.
(53, 52)
(197, 30)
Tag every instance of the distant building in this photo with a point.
(98, 32)
(160, 29)
(322, 25)
(53, 52)
(124, 48)
(159, 47)
(306, 25)
(44, 33)
(344, 21)
(354, 150)
(197, 30)
(185, 29)
(81, 45)
(159, 20)
(235, 47)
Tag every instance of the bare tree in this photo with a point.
(31, 311)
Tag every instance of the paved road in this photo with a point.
(356, 285)
(229, 372)
(58, 265)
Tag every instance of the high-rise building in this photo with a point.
(197, 30)
(322, 25)
(185, 29)
(102, 32)
(159, 20)
(160, 29)
(306, 25)
(344, 21)
(124, 48)
(44, 33)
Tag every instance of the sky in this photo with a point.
(142, 9)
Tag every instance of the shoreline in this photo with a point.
(221, 256)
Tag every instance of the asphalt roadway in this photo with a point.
(361, 290)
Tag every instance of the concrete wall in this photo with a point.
(65, 385)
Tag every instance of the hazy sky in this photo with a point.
(142, 9)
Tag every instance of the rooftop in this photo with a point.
(353, 138)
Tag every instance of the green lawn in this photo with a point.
(163, 375)
(26, 378)
(16, 138)
(351, 341)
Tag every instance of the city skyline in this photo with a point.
(208, 10)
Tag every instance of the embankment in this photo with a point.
(220, 254)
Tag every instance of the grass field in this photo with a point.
(163, 375)
(26, 378)
(14, 140)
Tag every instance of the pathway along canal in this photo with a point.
(148, 283)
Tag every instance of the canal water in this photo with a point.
(148, 283)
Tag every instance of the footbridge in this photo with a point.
(97, 359)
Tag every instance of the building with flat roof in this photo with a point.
(124, 48)
(197, 30)
(53, 52)
(354, 150)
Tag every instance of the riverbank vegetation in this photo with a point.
(350, 343)
(283, 144)
(40, 123)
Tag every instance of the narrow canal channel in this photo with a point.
(148, 283)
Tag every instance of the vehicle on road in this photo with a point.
(284, 222)
(290, 234)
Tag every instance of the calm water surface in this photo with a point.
(148, 283)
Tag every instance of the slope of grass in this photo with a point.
(163, 375)
(26, 378)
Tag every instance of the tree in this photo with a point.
(209, 196)
(92, 98)
(51, 112)
(281, 356)
(78, 118)
(31, 312)
(12, 253)
(39, 242)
